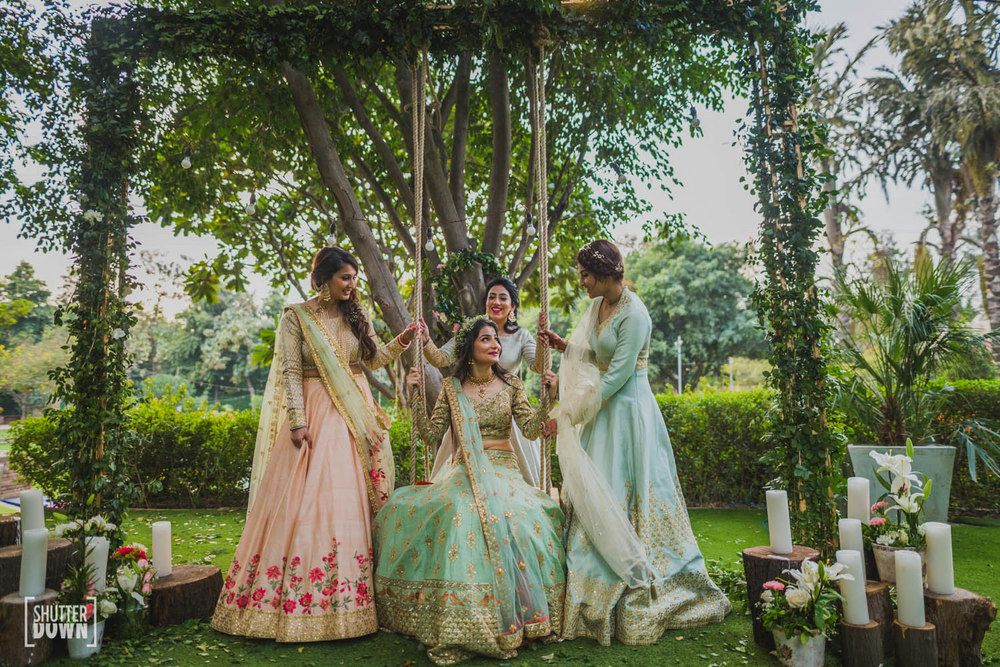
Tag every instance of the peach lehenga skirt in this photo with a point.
(303, 567)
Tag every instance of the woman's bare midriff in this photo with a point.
(499, 445)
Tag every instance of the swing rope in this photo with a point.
(418, 107)
(542, 203)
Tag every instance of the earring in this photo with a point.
(324, 293)
(511, 317)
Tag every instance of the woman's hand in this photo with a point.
(301, 435)
(413, 378)
(410, 332)
(551, 382)
(549, 338)
(550, 428)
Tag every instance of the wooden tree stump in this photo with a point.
(880, 611)
(10, 529)
(915, 647)
(761, 565)
(962, 619)
(861, 644)
(12, 631)
(190, 591)
(60, 553)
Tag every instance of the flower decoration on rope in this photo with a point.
(446, 277)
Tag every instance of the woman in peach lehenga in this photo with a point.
(322, 468)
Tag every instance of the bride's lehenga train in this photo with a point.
(473, 563)
(303, 568)
(626, 442)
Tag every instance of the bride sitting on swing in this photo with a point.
(479, 568)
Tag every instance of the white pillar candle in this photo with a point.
(858, 499)
(855, 599)
(34, 556)
(909, 589)
(940, 566)
(161, 548)
(851, 540)
(32, 510)
(778, 526)
(97, 558)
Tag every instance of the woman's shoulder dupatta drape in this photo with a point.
(367, 422)
(518, 592)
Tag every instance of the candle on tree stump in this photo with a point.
(851, 539)
(162, 553)
(940, 566)
(32, 510)
(778, 525)
(910, 589)
(97, 559)
(853, 590)
(34, 558)
(858, 499)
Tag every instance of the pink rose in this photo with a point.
(880, 505)
(143, 563)
(147, 577)
(877, 521)
(89, 611)
(455, 328)
(774, 586)
(147, 589)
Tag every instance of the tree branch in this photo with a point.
(383, 197)
(496, 206)
(460, 134)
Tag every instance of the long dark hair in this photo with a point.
(325, 265)
(515, 300)
(602, 259)
(464, 346)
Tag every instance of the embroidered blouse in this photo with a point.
(515, 347)
(298, 361)
(494, 413)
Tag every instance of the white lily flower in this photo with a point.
(127, 578)
(906, 503)
(901, 467)
(837, 572)
(107, 607)
(808, 577)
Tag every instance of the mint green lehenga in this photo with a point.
(643, 573)
(473, 563)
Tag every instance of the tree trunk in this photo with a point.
(986, 213)
(831, 218)
(331, 169)
(962, 619)
(189, 592)
(942, 184)
(496, 207)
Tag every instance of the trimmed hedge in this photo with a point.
(189, 456)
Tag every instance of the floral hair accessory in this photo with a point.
(612, 267)
(465, 331)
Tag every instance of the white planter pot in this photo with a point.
(84, 647)
(792, 652)
(935, 461)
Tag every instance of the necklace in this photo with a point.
(481, 384)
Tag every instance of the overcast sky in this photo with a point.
(712, 197)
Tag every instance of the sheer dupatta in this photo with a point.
(366, 422)
(584, 486)
(518, 592)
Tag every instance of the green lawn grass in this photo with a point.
(211, 536)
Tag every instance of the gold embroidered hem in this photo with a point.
(457, 620)
(270, 624)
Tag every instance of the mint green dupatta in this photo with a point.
(518, 592)
(366, 421)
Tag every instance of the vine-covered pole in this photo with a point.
(780, 144)
(92, 434)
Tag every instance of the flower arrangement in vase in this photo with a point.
(803, 612)
(133, 579)
(897, 518)
(80, 587)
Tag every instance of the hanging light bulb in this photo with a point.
(693, 120)
(531, 230)
(618, 170)
(252, 203)
(429, 246)
(186, 160)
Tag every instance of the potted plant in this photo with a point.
(897, 518)
(133, 580)
(99, 603)
(802, 613)
(899, 328)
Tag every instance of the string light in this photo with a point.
(186, 160)
(251, 205)
(618, 170)
(531, 228)
(693, 120)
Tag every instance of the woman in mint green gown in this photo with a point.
(473, 563)
(634, 567)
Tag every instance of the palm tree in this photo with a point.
(949, 47)
(831, 101)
